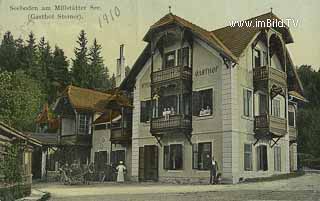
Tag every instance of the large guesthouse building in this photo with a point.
(230, 93)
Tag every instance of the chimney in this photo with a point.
(120, 67)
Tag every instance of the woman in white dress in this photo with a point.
(121, 168)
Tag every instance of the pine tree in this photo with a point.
(8, 56)
(98, 73)
(80, 63)
(31, 66)
(59, 73)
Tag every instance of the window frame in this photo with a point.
(294, 117)
(84, 124)
(185, 54)
(258, 51)
(166, 56)
(248, 105)
(262, 166)
(277, 158)
(276, 111)
(167, 157)
(145, 114)
(247, 154)
(197, 102)
(197, 156)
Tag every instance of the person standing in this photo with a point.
(121, 169)
(213, 171)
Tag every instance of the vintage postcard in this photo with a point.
(159, 100)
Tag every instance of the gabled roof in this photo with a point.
(237, 38)
(86, 99)
(205, 35)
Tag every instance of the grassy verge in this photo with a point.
(276, 177)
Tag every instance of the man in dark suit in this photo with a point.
(213, 171)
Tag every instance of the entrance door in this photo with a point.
(149, 161)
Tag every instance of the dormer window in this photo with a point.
(170, 59)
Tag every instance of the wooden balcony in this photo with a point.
(177, 123)
(265, 73)
(120, 136)
(173, 73)
(270, 125)
(292, 134)
(76, 139)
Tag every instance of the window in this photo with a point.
(172, 159)
(201, 156)
(247, 103)
(276, 107)
(262, 158)
(83, 123)
(291, 117)
(263, 104)
(145, 109)
(100, 160)
(247, 157)
(170, 59)
(277, 158)
(265, 58)
(203, 103)
(257, 57)
(117, 156)
(168, 103)
(184, 57)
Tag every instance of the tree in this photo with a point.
(8, 56)
(80, 63)
(20, 100)
(45, 62)
(98, 73)
(308, 120)
(30, 62)
(59, 76)
(10, 167)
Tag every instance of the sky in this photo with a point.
(129, 20)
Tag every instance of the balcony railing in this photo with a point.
(292, 134)
(265, 73)
(172, 73)
(272, 124)
(119, 135)
(161, 124)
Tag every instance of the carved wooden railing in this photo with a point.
(264, 73)
(172, 73)
(119, 134)
(276, 125)
(173, 122)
